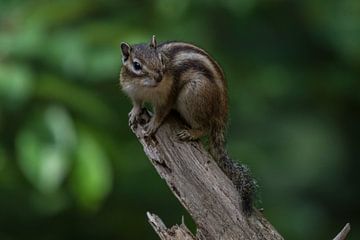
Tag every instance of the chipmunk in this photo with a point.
(181, 76)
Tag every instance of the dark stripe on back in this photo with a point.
(191, 64)
(173, 51)
(177, 49)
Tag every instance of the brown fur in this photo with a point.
(183, 77)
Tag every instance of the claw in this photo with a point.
(134, 117)
(133, 122)
(184, 135)
(150, 128)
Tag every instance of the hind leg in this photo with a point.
(195, 105)
(190, 134)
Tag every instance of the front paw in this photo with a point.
(184, 135)
(150, 128)
(134, 117)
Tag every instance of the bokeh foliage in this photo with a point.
(71, 169)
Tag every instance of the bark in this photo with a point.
(343, 233)
(201, 187)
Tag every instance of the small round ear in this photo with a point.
(125, 50)
(153, 43)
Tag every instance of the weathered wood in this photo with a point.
(175, 233)
(201, 187)
(343, 233)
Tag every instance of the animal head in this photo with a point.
(142, 63)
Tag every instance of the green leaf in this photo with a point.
(92, 176)
(337, 22)
(78, 99)
(44, 149)
(3, 159)
(15, 84)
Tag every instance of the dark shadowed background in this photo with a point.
(71, 169)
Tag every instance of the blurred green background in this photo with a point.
(71, 169)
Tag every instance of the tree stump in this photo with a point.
(202, 188)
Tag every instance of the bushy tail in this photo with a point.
(238, 173)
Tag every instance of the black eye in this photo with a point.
(137, 66)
